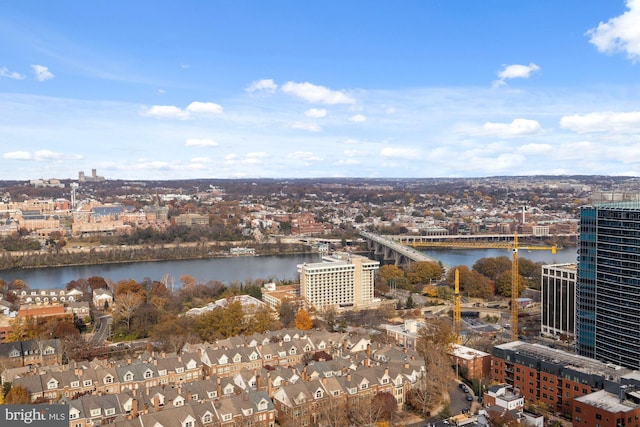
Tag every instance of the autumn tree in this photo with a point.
(503, 284)
(433, 345)
(492, 267)
(128, 287)
(423, 272)
(262, 321)
(384, 406)
(472, 283)
(173, 332)
(18, 395)
(303, 320)
(386, 274)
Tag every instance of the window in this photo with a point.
(86, 383)
(318, 394)
(206, 418)
(108, 379)
(148, 374)
(598, 416)
(226, 417)
(110, 411)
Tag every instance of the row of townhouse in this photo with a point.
(223, 358)
(30, 353)
(109, 377)
(294, 396)
(123, 410)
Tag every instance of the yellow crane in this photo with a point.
(456, 307)
(515, 277)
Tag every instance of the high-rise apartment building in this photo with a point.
(558, 300)
(608, 284)
(342, 280)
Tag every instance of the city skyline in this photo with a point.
(168, 90)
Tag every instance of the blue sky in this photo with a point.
(234, 89)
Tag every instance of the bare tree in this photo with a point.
(126, 306)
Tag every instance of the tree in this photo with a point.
(503, 284)
(434, 341)
(126, 305)
(423, 272)
(303, 320)
(472, 283)
(287, 313)
(388, 272)
(409, 304)
(262, 320)
(492, 267)
(18, 395)
(384, 405)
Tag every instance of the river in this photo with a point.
(240, 269)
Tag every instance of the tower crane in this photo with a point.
(515, 277)
(456, 307)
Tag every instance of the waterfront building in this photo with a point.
(558, 300)
(342, 280)
(608, 284)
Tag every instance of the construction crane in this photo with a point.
(515, 277)
(456, 307)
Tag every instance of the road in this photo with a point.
(102, 329)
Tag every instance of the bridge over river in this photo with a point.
(391, 250)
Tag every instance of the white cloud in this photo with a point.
(351, 141)
(304, 155)
(257, 155)
(17, 155)
(535, 149)
(515, 71)
(153, 164)
(200, 142)
(390, 110)
(173, 112)
(347, 162)
(316, 112)
(165, 112)
(354, 153)
(204, 108)
(4, 72)
(619, 34)
(358, 118)
(317, 94)
(518, 127)
(231, 156)
(201, 160)
(311, 127)
(161, 91)
(264, 85)
(602, 122)
(42, 73)
(40, 155)
(400, 152)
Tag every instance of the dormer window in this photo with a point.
(180, 370)
(86, 383)
(262, 405)
(237, 358)
(128, 376)
(292, 350)
(148, 374)
(226, 417)
(207, 418)
(364, 385)
(75, 384)
(319, 394)
(108, 379)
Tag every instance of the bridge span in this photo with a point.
(390, 250)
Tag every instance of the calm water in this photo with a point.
(226, 270)
(241, 269)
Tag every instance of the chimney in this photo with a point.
(156, 403)
(269, 385)
(134, 408)
(219, 388)
(369, 350)
(349, 376)
(258, 382)
(155, 362)
(245, 396)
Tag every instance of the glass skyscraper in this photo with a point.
(608, 284)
